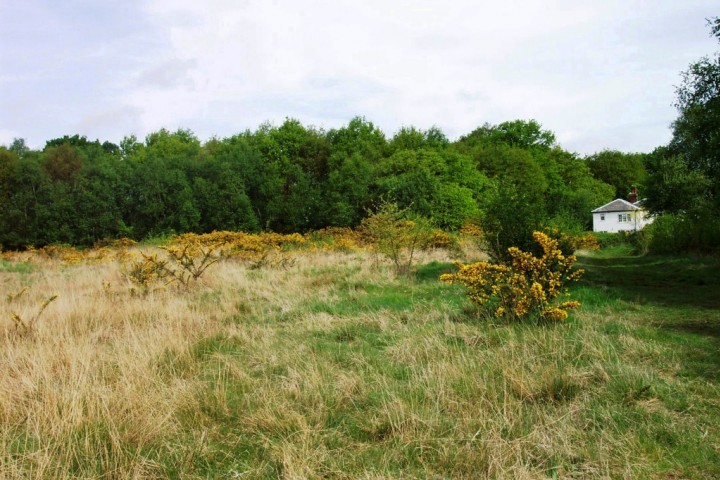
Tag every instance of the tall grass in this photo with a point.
(335, 367)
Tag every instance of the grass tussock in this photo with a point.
(333, 366)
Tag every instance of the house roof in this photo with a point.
(618, 205)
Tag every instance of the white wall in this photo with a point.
(636, 221)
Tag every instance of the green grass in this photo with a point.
(394, 378)
(372, 298)
(16, 267)
(404, 384)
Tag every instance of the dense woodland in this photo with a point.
(293, 178)
(508, 178)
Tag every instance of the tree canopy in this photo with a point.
(290, 178)
(688, 170)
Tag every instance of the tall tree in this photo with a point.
(619, 169)
(696, 132)
(19, 147)
(525, 134)
(357, 149)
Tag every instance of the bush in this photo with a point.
(610, 239)
(509, 222)
(671, 234)
(569, 241)
(397, 234)
(526, 286)
(639, 241)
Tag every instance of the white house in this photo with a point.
(621, 215)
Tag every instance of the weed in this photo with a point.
(11, 297)
(184, 262)
(27, 327)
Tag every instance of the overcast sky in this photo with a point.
(600, 74)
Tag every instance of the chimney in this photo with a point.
(633, 196)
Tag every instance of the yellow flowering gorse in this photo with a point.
(525, 286)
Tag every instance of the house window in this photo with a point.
(602, 216)
(623, 218)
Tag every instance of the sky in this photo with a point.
(599, 74)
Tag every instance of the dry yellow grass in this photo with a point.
(327, 367)
(89, 366)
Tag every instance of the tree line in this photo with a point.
(509, 178)
(291, 178)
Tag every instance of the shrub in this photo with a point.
(185, 261)
(442, 240)
(637, 241)
(342, 239)
(570, 241)
(610, 239)
(146, 272)
(397, 234)
(510, 221)
(188, 261)
(672, 234)
(525, 286)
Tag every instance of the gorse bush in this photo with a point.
(397, 234)
(147, 272)
(525, 286)
(189, 260)
(571, 241)
(186, 259)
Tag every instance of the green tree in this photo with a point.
(161, 200)
(621, 170)
(523, 134)
(221, 200)
(299, 156)
(348, 192)
(684, 177)
(411, 179)
(9, 165)
(453, 206)
(25, 201)
(95, 199)
(410, 138)
(361, 137)
(573, 192)
(696, 132)
(62, 162)
(179, 149)
(439, 184)
(510, 220)
(674, 187)
(514, 167)
(19, 147)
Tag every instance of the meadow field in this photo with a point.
(322, 363)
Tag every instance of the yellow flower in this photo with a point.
(554, 313)
(537, 292)
(570, 305)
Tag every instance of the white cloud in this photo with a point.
(599, 74)
(7, 136)
(105, 124)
